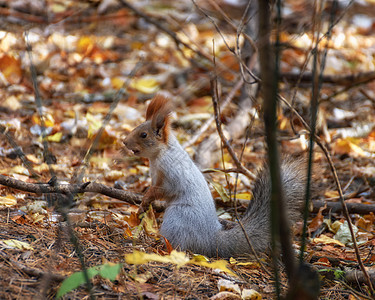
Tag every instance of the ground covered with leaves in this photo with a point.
(81, 74)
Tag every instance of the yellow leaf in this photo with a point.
(132, 171)
(221, 191)
(58, 8)
(20, 170)
(198, 257)
(42, 168)
(345, 146)
(233, 261)
(85, 45)
(138, 258)
(17, 244)
(323, 239)
(142, 278)
(284, 123)
(33, 158)
(48, 119)
(150, 224)
(113, 175)
(177, 258)
(244, 196)
(55, 138)
(8, 200)
(331, 194)
(145, 85)
(37, 217)
(137, 45)
(218, 264)
(94, 125)
(117, 82)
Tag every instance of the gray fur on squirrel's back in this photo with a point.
(256, 219)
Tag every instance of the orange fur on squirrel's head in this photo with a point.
(158, 112)
(149, 138)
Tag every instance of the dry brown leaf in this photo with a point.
(317, 221)
(11, 68)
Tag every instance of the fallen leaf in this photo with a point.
(150, 224)
(11, 68)
(228, 286)
(177, 258)
(225, 296)
(138, 258)
(323, 239)
(8, 200)
(250, 294)
(147, 85)
(56, 138)
(343, 234)
(345, 146)
(318, 220)
(221, 191)
(17, 244)
(233, 261)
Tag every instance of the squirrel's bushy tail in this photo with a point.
(256, 220)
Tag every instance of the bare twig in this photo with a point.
(69, 189)
(353, 208)
(349, 79)
(225, 142)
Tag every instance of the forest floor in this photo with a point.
(81, 53)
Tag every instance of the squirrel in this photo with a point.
(190, 221)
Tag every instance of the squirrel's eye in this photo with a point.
(143, 135)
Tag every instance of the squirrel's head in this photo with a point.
(149, 138)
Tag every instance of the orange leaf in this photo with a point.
(318, 220)
(11, 68)
(133, 219)
(168, 245)
(345, 146)
(323, 261)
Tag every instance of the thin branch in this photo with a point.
(225, 142)
(349, 79)
(336, 207)
(70, 189)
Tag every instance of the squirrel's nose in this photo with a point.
(125, 143)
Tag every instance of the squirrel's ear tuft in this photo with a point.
(160, 105)
(158, 112)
